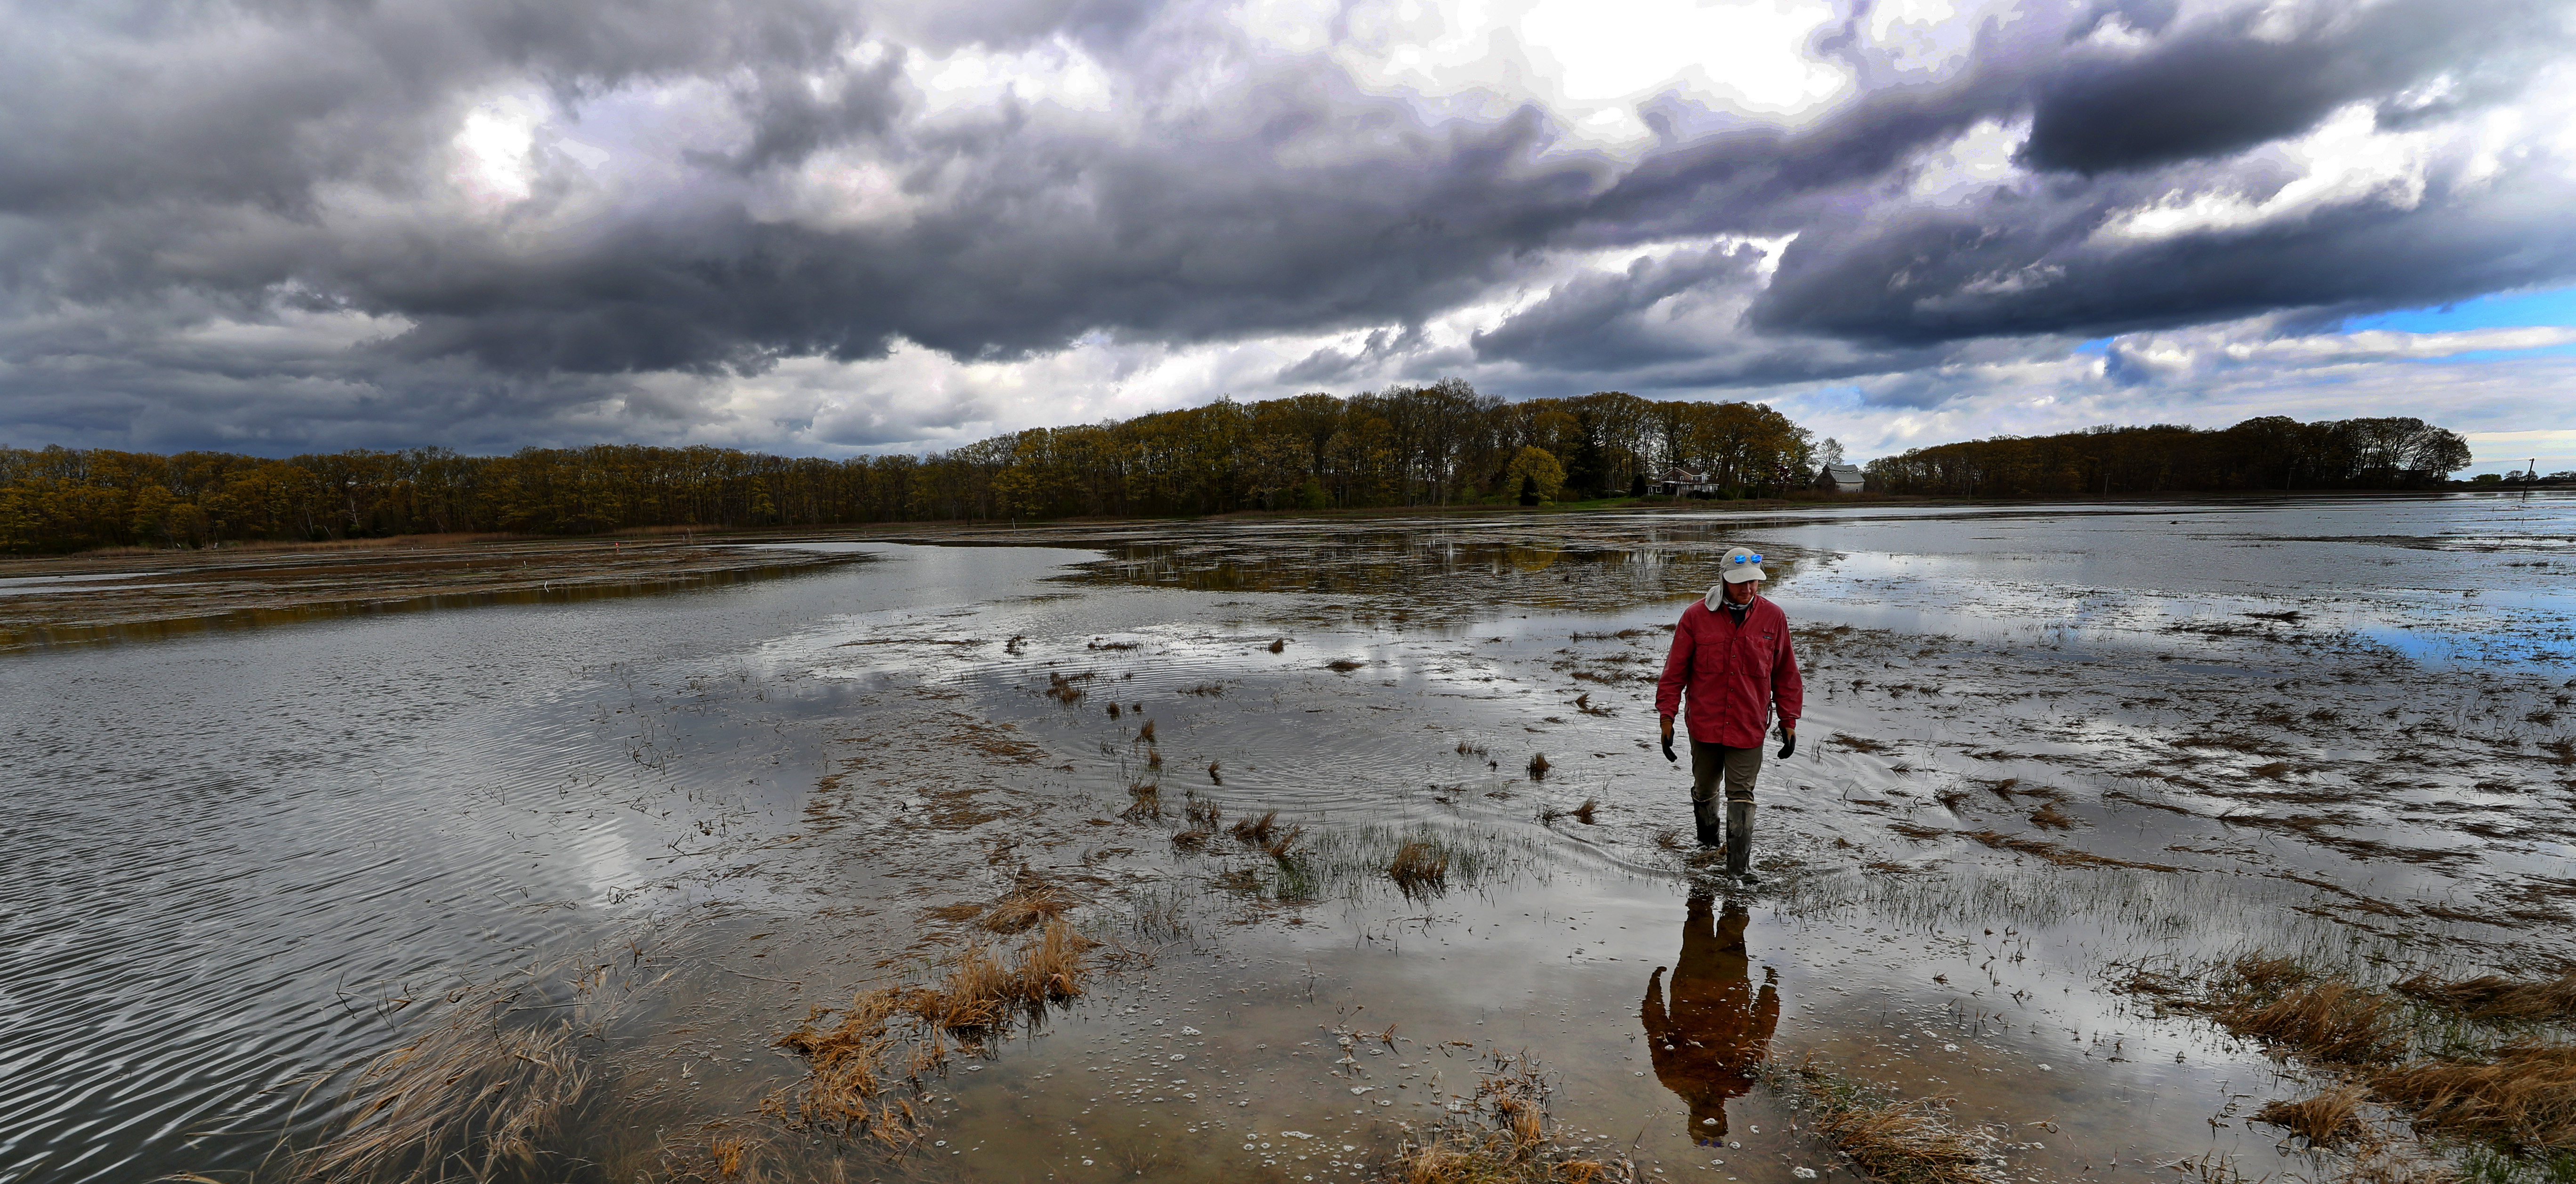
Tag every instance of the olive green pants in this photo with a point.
(1737, 767)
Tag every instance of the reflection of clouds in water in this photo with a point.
(1708, 1030)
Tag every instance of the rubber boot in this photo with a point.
(1711, 832)
(1739, 842)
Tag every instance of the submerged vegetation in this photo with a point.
(2482, 1063)
(866, 1062)
(1890, 1139)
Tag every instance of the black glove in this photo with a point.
(1788, 743)
(1668, 751)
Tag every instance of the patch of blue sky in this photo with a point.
(2556, 306)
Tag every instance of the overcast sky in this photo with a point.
(819, 227)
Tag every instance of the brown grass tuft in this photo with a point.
(2331, 1021)
(859, 1069)
(1859, 743)
(2325, 1120)
(1343, 665)
(1145, 732)
(1283, 845)
(1583, 813)
(2061, 856)
(1255, 831)
(2052, 818)
(1030, 903)
(482, 1093)
(1892, 1140)
(1278, 644)
(1538, 767)
(1144, 800)
(2525, 1095)
(1213, 778)
(1505, 1139)
(1419, 865)
(2494, 997)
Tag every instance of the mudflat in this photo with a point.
(2226, 837)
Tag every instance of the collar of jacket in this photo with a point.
(1716, 599)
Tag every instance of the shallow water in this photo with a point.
(242, 858)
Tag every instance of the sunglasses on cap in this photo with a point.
(1745, 559)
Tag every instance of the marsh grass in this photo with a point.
(1032, 901)
(866, 1063)
(1420, 866)
(496, 1089)
(1506, 1136)
(1538, 767)
(1894, 1140)
(2327, 1119)
(1144, 801)
(2496, 998)
(2461, 1060)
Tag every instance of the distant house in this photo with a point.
(1840, 478)
(1680, 482)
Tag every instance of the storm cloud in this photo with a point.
(313, 223)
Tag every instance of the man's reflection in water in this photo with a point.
(1710, 1037)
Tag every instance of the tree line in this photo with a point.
(1435, 445)
(2270, 452)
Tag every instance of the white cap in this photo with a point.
(1741, 564)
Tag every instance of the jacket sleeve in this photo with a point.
(1677, 668)
(1788, 691)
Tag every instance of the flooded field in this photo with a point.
(1225, 851)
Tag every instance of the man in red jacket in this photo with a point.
(1731, 651)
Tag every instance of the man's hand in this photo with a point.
(1788, 741)
(1668, 741)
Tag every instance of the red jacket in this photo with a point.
(1735, 675)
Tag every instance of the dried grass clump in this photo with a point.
(1115, 711)
(1583, 813)
(1538, 767)
(1144, 800)
(1669, 838)
(1255, 832)
(2331, 1021)
(483, 1094)
(2496, 998)
(1277, 644)
(2325, 1120)
(1145, 732)
(2524, 1095)
(1030, 903)
(1283, 845)
(1343, 665)
(2052, 818)
(1202, 813)
(2061, 856)
(1065, 690)
(1859, 743)
(1893, 1140)
(1213, 778)
(1419, 865)
(863, 1071)
(1504, 1139)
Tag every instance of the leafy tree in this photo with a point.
(1534, 472)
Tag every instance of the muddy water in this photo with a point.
(240, 860)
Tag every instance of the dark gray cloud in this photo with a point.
(170, 176)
